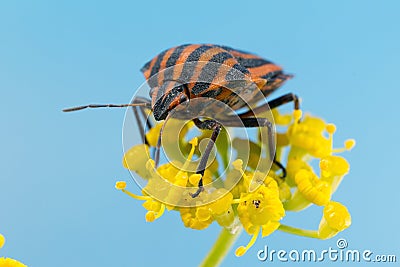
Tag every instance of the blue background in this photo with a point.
(58, 205)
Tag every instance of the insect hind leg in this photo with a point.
(277, 102)
(261, 122)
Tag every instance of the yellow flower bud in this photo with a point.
(237, 164)
(150, 216)
(120, 185)
(190, 219)
(261, 206)
(336, 218)
(223, 201)
(281, 119)
(194, 179)
(136, 158)
(349, 144)
(152, 205)
(331, 128)
(203, 214)
(312, 188)
(297, 114)
(334, 166)
(240, 251)
(2, 240)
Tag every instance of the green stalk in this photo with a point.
(221, 247)
(298, 231)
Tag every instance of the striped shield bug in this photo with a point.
(240, 80)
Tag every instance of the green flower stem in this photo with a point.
(221, 247)
(298, 231)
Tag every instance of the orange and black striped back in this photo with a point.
(261, 68)
(198, 70)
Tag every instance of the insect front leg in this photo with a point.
(216, 128)
(142, 109)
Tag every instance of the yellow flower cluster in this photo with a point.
(234, 201)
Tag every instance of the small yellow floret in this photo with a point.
(135, 158)
(152, 205)
(297, 113)
(281, 119)
(349, 144)
(120, 185)
(194, 179)
(203, 214)
(190, 219)
(334, 165)
(336, 218)
(331, 128)
(2, 240)
(223, 201)
(240, 251)
(150, 216)
(237, 164)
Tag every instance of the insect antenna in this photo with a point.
(106, 106)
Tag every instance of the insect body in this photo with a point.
(234, 77)
(182, 62)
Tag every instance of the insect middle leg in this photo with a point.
(216, 127)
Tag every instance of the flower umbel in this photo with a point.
(255, 199)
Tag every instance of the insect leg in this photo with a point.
(144, 108)
(260, 122)
(158, 147)
(139, 100)
(257, 122)
(252, 122)
(216, 128)
(105, 106)
(290, 97)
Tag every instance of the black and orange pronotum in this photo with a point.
(174, 77)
